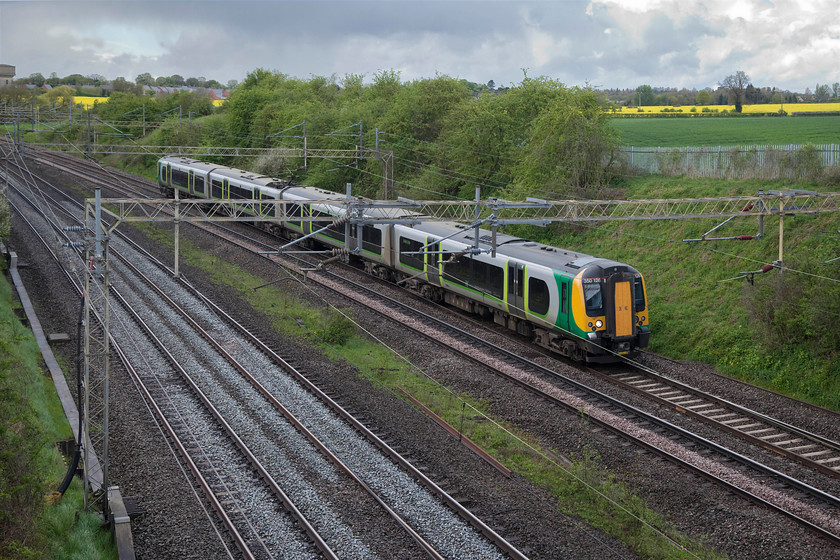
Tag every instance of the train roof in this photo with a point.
(571, 262)
(225, 171)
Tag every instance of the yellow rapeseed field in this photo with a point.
(761, 108)
(89, 102)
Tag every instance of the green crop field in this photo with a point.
(727, 131)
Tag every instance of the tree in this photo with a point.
(53, 80)
(177, 80)
(96, 79)
(835, 90)
(703, 97)
(644, 95)
(491, 85)
(144, 79)
(37, 78)
(822, 93)
(736, 84)
(57, 96)
(570, 149)
(120, 84)
(73, 80)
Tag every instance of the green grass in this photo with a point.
(723, 131)
(31, 420)
(585, 490)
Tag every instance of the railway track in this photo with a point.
(210, 467)
(812, 450)
(410, 508)
(681, 401)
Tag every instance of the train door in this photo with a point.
(191, 182)
(565, 306)
(225, 188)
(433, 258)
(516, 289)
(620, 312)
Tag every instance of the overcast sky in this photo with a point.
(791, 44)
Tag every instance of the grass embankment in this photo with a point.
(736, 131)
(584, 490)
(31, 421)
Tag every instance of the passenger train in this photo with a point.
(581, 306)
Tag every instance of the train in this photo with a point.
(586, 308)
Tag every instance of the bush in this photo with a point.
(831, 176)
(792, 309)
(806, 164)
(338, 328)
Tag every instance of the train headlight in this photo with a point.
(599, 323)
(590, 324)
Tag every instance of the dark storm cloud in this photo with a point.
(608, 43)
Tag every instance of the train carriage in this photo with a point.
(581, 306)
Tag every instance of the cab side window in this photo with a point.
(538, 296)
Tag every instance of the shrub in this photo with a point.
(806, 164)
(792, 309)
(831, 176)
(338, 328)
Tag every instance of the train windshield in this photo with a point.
(638, 295)
(593, 296)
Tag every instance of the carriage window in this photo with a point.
(333, 232)
(410, 246)
(538, 296)
(216, 188)
(295, 211)
(179, 178)
(199, 185)
(489, 279)
(594, 299)
(372, 239)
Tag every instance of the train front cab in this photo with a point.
(612, 312)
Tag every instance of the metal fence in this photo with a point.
(788, 161)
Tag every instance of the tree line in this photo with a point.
(96, 84)
(735, 89)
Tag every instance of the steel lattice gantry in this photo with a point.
(491, 212)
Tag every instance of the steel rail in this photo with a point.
(240, 444)
(317, 539)
(462, 511)
(644, 416)
(290, 417)
(208, 492)
(660, 388)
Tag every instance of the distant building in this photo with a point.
(7, 75)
